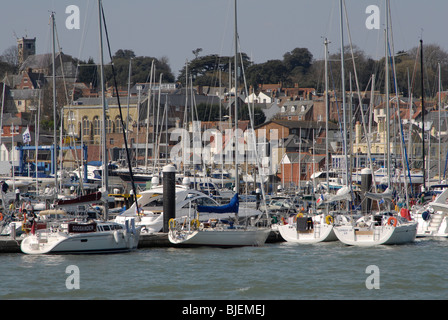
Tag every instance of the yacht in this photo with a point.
(150, 207)
(80, 236)
(432, 218)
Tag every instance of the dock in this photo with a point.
(10, 245)
(149, 240)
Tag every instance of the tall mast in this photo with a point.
(387, 95)
(236, 101)
(55, 149)
(105, 182)
(440, 106)
(423, 114)
(343, 96)
(326, 115)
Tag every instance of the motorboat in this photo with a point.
(308, 229)
(432, 218)
(189, 231)
(150, 207)
(377, 229)
(80, 236)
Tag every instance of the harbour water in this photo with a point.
(279, 271)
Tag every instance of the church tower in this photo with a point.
(26, 47)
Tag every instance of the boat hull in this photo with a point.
(381, 235)
(322, 233)
(220, 237)
(83, 243)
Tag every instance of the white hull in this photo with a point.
(48, 242)
(376, 235)
(321, 232)
(436, 225)
(151, 217)
(432, 219)
(220, 237)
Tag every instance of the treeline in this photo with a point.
(297, 66)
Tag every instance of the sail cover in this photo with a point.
(232, 206)
(387, 195)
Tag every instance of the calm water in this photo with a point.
(273, 272)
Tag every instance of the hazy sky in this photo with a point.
(267, 29)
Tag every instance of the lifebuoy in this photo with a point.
(194, 223)
(395, 221)
(172, 223)
(329, 219)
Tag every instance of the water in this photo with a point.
(280, 271)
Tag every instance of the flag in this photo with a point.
(26, 136)
(320, 199)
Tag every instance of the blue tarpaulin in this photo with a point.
(232, 206)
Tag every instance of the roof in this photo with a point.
(298, 124)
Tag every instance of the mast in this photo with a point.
(105, 182)
(387, 96)
(440, 107)
(343, 96)
(423, 114)
(55, 149)
(326, 116)
(147, 116)
(236, 102)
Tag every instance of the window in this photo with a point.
(109, 125)
(85, 126)
(71, 116)
(118, 127)
(96, 126)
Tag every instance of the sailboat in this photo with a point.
(84, 234)
(216, 232)
(382, 228)
(319, 227)
(81, 236)
(189, 231)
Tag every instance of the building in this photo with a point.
(26, 48)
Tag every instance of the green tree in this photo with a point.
(141, 68)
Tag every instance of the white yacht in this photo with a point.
(432, 218)
(306, 230)
(81, 235)
(189, 231)
(377, 229)
(150, 203)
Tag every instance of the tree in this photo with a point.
(11, 56)
(272, 71)
(124, 54)
(141, 67)
(88, 72)
(204, 70)
(299, 57)
(196, 52)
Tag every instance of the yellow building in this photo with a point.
(84, 120)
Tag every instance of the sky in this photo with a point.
(267, 29)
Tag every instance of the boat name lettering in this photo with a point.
(82, 227)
